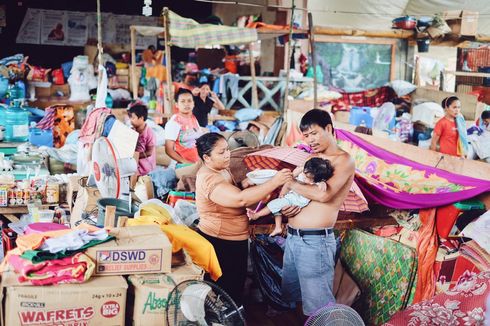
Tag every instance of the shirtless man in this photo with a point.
(308, 267)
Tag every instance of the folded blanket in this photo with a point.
(37, 256)
(75, 269)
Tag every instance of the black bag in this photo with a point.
(266, 256)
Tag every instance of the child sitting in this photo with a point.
(145, 147)
(315, 171)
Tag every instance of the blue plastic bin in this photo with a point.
(39, 137)
(360, 114)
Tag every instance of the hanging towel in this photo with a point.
(101, 88)
(427, 251)
(463, 137)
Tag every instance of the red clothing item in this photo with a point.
(446, 216)
(448, 133)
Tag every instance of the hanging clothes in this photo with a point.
(427, 251)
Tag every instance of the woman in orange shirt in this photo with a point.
(221, 204)
(446, 131)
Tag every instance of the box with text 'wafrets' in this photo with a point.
(99, 301)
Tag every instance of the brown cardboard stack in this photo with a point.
(137, 250)
(99, 301)
(462, 22)
(150, 293)
(123, 78)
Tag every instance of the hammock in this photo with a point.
(397, 182)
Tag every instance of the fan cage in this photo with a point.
(219, 307)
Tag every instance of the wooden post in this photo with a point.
(288, 61)
(313, 59)
(122, 221)
(134, 80)
(168, 61)
(255, 96)
(110, 216)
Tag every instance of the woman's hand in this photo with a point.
(196, 91)
(290, 211)
(214, 96)
(282, 177)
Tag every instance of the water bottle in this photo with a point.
(16, 124)
(3, 111)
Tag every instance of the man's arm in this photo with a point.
(343, 174)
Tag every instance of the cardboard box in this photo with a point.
(150, 293)
(141, 249)
(462, 22)
(43, 91)
(72, 188)
(100, 301)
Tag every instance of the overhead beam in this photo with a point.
(396, 33)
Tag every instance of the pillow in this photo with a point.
(402, 87)
(248, 114)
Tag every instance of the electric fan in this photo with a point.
(202, 303)
(110, 172)
(335, 314)
(243, 139)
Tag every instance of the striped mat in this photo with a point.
(187, 33)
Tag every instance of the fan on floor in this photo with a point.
(243, 139)
(202, 303)
(335, 314)
(110, 172)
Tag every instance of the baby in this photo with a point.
(315, 171)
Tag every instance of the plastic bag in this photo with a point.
(185, 213)
(266, 256)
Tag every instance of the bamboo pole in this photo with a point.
(168, 61)
(403, 34)
(134, 80)
(288, 60)
(313, 59)
(255, 97)
(100, 49)
(99, 32)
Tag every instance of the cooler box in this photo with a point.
(360, 114)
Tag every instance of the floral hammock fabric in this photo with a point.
(397, 182)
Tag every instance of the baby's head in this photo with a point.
(318, 169)
(485, 117)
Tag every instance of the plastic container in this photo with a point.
(468, 205)
(16, 124)
(3, 111)
(46, 216)
(4, 85)
(121, 209)
(359, 114)
(423, 45)
(39, 137)
(259, 177)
